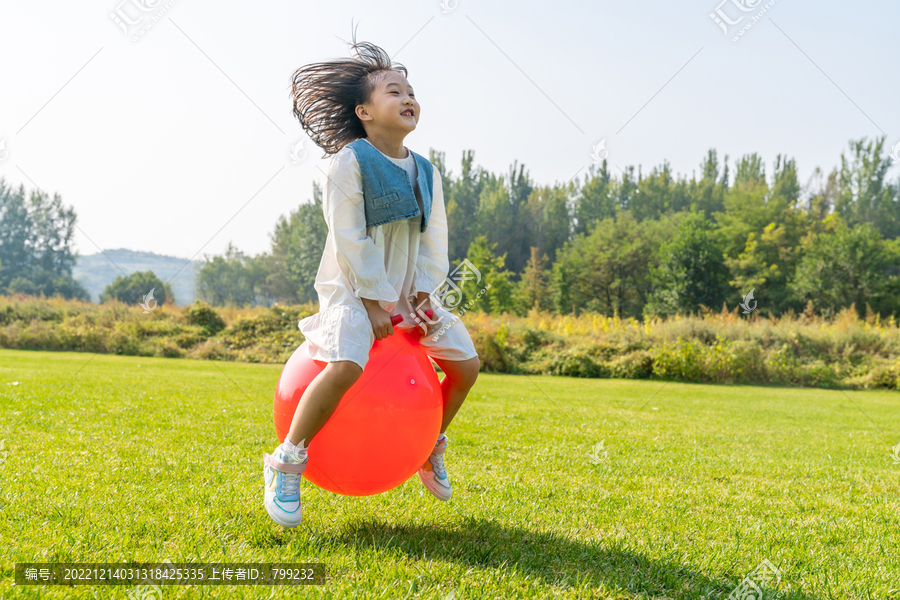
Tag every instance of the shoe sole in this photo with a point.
(429, 483)
(278, 520)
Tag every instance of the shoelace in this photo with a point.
(437, 461)
(290, 482)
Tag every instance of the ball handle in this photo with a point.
(397, 318)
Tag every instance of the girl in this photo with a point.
(386, 246)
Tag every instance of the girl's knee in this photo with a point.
(469, 373)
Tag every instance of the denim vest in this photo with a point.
(388, 194)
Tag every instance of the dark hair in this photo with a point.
(326, 94)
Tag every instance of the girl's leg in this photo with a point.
(459, 377)
(283, 468)
(321, 399)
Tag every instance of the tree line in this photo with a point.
(636, 243)
(626, 242)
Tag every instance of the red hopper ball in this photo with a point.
(384, 427)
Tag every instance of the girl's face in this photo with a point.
(393, 106)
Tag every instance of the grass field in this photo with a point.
(146, 459)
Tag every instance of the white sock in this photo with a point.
(441, 438)
(287, 446)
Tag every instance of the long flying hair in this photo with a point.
(326, 94)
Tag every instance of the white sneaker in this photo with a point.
(434, 475)
(282, 474)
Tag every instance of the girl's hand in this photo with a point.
(380, 319)
(423, 304)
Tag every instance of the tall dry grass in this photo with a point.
(716, 347)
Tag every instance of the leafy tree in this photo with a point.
(745, 206)
(516, 245)
(608, 271)
(497, 299)
(594, 200)
(708, 194)
(549, 224)
(502, 215)
(132, 288)
(625, 188)
(532, 290)
(766, 265)
(785, 191)
(691, 271)
(843, 266)
(769, 257)
(819, 196)
(750, 171)
(36, 245)
(234, 279)
(658, 194)
(752, 204)
(461, 200)
(496, 219)
(864, 195)
(297, 245)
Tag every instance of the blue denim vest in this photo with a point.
(388, 194)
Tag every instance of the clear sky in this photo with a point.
(179, 142)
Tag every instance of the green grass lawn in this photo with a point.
(122, 459)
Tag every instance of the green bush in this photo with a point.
(634, 365)
(205, 316)
(491, 354)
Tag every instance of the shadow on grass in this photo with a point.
(549, 557)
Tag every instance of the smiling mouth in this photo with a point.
(407, 114)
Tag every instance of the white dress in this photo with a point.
(388, 263)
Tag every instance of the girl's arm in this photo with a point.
(357, 255)
(433, 263)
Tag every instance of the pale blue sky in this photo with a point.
(159, 143)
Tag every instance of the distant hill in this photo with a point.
(95, 271)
